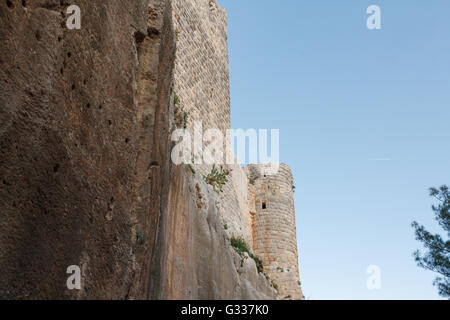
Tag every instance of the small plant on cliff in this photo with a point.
(274, 284)
(181, 116)
(217, 178)
(191, 168)
(185, 119)
(240, 246)
(258, 261)
(140, 237)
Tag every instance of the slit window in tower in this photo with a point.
(264, 205)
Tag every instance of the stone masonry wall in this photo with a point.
(274, 232)
(201, 65)
(202, 86)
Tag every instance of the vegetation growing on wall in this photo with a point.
(240, 246)
(217, 178)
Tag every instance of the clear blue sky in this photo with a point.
(343, 97)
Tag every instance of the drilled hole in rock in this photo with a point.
(264, 206)
(88, 105)
(127, 140)
(110, 122)
(69, 54)
(56, 167)
(38, 35)
(62, 71)
(84, 81)
(24, 3)
(9, 4)
(100, 107)
(73, 87)
(139, 37)
(59, 38)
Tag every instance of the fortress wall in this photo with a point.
(201, 66)
(274, 233)
(202, 85)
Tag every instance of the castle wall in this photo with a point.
(202, 85)
(201, 73)
(274, 232)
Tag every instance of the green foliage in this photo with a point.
(258, 261)
(225, 226)
(288, 297)
(185, 119)
(437, 258)
(176, 100)
(274, 284)
(191, 168)
(140, 237)
(240, 246)
(217, 178)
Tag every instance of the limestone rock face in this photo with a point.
(72, 162)
(200, 263)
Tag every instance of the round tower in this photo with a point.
(274, 231)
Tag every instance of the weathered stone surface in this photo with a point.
(274, 232)
(200, 262)
(86, 176)
(71, 123)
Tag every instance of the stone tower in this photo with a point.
(273, 225)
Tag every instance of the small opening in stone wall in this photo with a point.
(264, 205)
(9, 4)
